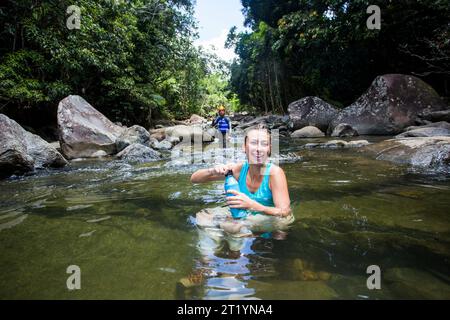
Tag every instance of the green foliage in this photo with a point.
(323, 48)
(133, 60)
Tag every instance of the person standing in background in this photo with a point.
(223, 124)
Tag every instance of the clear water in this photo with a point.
(131, 230)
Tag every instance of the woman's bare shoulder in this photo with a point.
(237, 169)
(275, 170)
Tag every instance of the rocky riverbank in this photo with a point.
(394, 104)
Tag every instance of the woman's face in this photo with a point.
(257, 146)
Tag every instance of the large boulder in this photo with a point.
(311, 111)
(189, 133)
(134, 134)
(271, 121)
(138, 153)
(392, 103)
(22, 151)
(307, 132)
(83, 131)
(158, 134)
(427, 152)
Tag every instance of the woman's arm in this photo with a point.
(280, 193)
(213, 174)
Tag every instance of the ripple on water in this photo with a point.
(13, 223)
(78, 207)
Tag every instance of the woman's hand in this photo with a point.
(221, 169)
(240, 200)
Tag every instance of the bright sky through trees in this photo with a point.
(215, 18)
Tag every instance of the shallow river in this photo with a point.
(131, 230)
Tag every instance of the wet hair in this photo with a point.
(259, 126)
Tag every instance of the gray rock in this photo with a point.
(173, 140)
(240, 116)
(42, 152)
(196, 119)
(425, 132)
(337, 144)
(134, 134)
(312, 145)
(158, 134)
(190, 133)
(427, 152)
(138, 153)
(163, 145)
(435, 116)
(308, 132)
(391, 104)
(311, 111)
(334, 144)
(271, 121)
(83, 130)
(22, 151)
(440, 124)
(421, 122)
(357, 143)
(344, 130)
(209, 134)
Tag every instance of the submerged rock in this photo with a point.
(391, 103)
(428, 152)
(409, 283)
(138, 153)
(311, 111)
(292, 290)
(308, 132)
(22, 151)
(83, 130)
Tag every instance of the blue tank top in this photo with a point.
(263, 195)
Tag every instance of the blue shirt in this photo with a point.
(223, 122)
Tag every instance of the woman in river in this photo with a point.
(263, 185)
